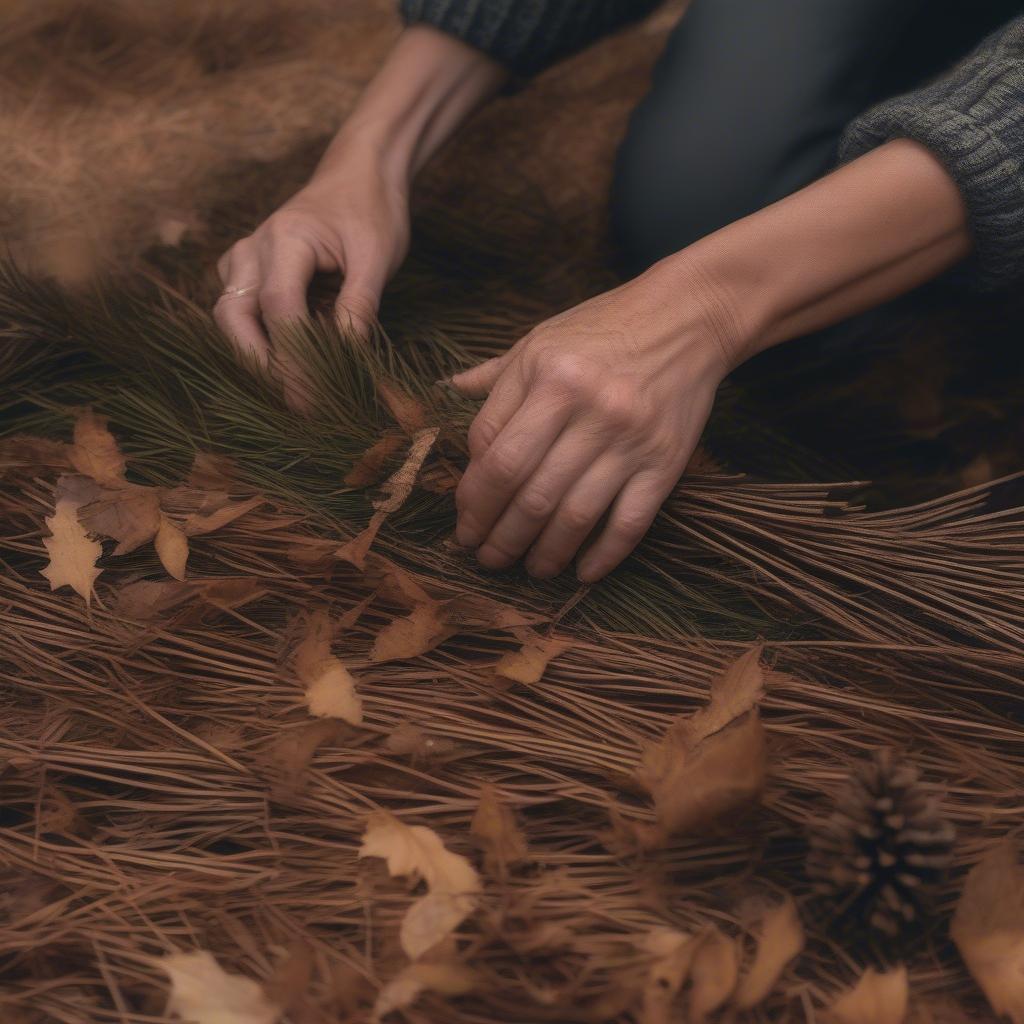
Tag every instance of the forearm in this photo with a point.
(868, 232)
(427, 87)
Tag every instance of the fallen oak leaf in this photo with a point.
(445, 978)
(73, 553)
(714, 973)
(781, 940)
(495, 826)
(330, 687)
(877, 998)
(988, 929)
(204, 993)
(452, 883)
(396, 489)
(734, 692)
(95, 452)
(527, 664)
(171, 548)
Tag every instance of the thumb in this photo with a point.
(478, 380)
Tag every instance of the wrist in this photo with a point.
(714, 309)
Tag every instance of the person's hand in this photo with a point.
(353, 220)
(595, 411)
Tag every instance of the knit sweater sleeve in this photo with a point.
(972, 119)
(526, 35)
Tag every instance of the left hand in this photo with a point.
(596, 410)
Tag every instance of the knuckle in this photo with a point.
(501, 464)
(630, 526)
(567, 371)
(577, 518)
(619, 406)
(481, 435)
(534, 503)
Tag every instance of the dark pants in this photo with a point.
(751, 96)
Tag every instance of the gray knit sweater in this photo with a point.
(972, 118)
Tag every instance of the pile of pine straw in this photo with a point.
(164, 785)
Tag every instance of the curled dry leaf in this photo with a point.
(95, 453)
(211, 472)
(714, 972)
(207, 521)
(129, 514)
(431, 622)
(447, 979)
(22, 450)
(330, 687)
(673, 954)
(202, 992)
(395, 489)
(494, 825)
(73, 553)
(146, 600)
(369, 467)
(878, 998)
(527, 664)
(293, 751)
(988, 929)
(452, 882)
(781, 940)
(409, 412)
(413, 741)
(171, 548)
(708, 765)
(724, 774)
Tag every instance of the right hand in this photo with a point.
(353, 220)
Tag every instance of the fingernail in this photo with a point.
(445, 384)
(467, 536)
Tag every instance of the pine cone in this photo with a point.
(884, 843)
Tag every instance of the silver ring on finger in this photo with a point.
(231, 292)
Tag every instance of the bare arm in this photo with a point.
(600, 408)
(353, 215)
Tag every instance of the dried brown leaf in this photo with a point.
(414, 634)
(409, 412)
(73, 553)
(445, 978)
(673, 954)
(878, 998)
(213, 472)
(724, 774)
(95, 453)
(129, 514)
(413, 741)
(171, 548)
(206, 522)
(494, 825)
(734, 692)
(713, 973)
(527, 664)
(330, 687)
(781, 940)
(988, 929)
(203, 992)
(451, 880)
(396, 489)
(369, 467)
(293, 751)
(21, 450)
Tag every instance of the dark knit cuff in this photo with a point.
(521, 34)
(981, 145)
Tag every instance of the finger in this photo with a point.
(477, 381)
(570, 458)
(631, 517)
(359, 298)
(237, 312)
(224, 267)
(492, 479)
(578, 512)
(287, 271)
(507, 395)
